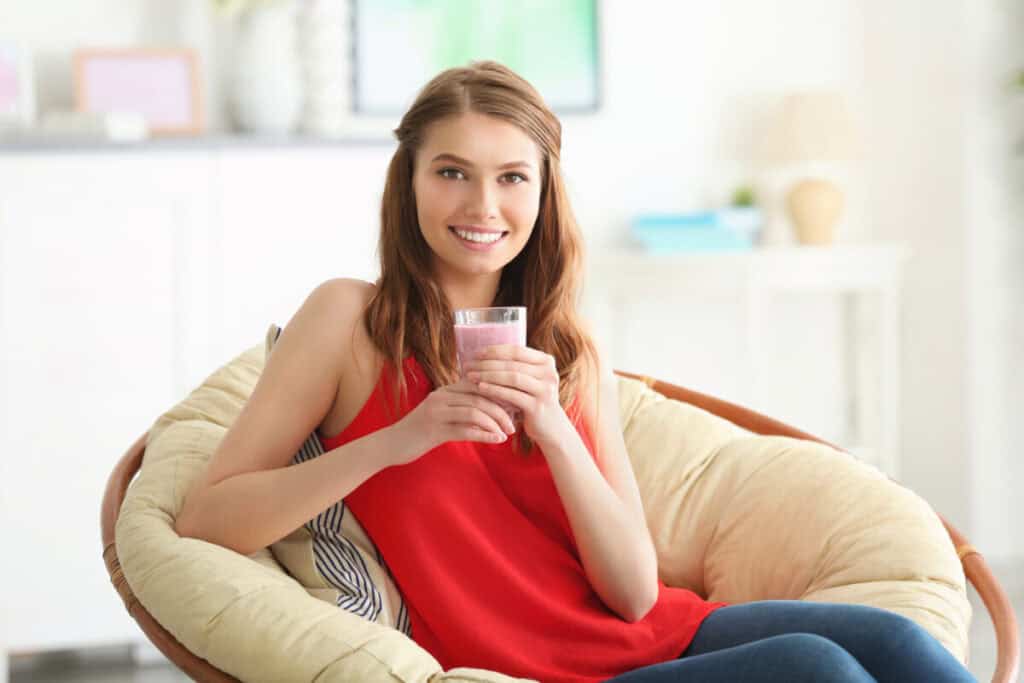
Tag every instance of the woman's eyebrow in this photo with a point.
(465, 162)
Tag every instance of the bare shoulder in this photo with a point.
(346, 292)
(345, 301)
(324, 323)
(350, 285)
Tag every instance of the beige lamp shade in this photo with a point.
(813, 126)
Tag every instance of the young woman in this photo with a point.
(520, 548)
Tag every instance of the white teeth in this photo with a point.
(478, 237)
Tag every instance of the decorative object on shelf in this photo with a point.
(163, 86)
(743, 196)
(742, 216)
(813, 126)
(77, 126)
(17, 88)
(325, 66)
(266, 89)
(700, 231)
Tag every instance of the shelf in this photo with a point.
(45, 145)
(783, 255)
(834, 267)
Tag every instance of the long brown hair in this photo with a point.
(409, 312)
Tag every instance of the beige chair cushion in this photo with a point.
(735, 517)
(739, 517)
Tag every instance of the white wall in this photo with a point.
(994, 250)
(941, 176)
(915, 74)
(684, 86)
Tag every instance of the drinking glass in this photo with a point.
(478, 328)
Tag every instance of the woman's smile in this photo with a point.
(477, 240)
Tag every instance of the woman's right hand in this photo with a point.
(454, 412)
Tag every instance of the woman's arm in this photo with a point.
(249, 495)
(605, 510)
(252, 510)
(601, 499)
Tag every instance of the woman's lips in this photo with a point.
(477, 246)
(476, 228)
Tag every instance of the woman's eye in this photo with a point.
(513, 178)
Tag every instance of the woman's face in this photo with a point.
(476, 179)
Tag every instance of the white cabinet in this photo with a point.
(90, 351)
(708, 320)
(127, 277)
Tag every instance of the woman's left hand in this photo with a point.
(528, 379)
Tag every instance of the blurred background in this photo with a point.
(813, 208)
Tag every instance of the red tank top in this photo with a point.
(481, 549)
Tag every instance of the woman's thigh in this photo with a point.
(793, 658)
(890, 646)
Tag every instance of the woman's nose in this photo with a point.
(482, 200)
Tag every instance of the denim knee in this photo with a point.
(817, 658)
(902, 636)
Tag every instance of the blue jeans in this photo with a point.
(796, 641)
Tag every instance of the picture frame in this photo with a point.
(163, 85)
(17, 87)
(393, 47)
(397, 45)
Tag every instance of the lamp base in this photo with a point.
(815, 206)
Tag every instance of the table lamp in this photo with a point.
(813, 126)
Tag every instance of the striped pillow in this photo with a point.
(334, 559)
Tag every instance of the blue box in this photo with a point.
(701, 231)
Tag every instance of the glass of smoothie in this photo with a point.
(478, 328)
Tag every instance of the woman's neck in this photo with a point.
(477, 293)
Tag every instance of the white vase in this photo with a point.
(322, 27)
(266, 76)
(742, 220)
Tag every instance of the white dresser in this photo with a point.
(126, 277)
(829, 310)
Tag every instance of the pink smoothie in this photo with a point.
(471, 339)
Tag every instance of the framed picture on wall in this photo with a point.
(17, 87)
(399, 45)
(161, 85)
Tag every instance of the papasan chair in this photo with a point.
(741, 508)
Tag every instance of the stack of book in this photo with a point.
(731, 228)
